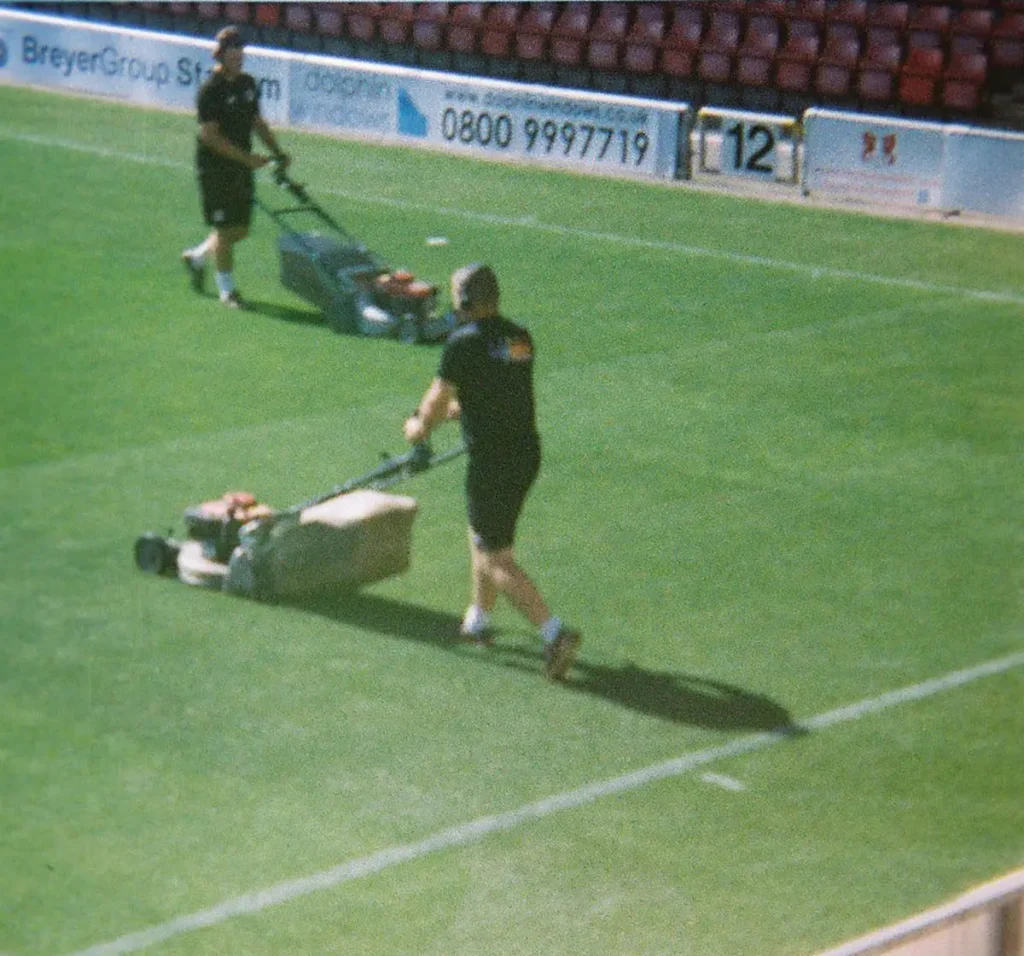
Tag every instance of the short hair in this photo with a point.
(474, 284)
(226, 38)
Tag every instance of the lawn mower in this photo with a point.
(358, 292)
(352, 535)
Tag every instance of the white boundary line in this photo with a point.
(529, 222)
(468, 833)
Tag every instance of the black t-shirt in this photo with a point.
(234, 105)
(490, 363)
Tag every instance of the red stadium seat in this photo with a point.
(923, 61)
(853, 12)
(687, 28)
(395, 22)
(754, 71)
(538, 19)
(803, 42)
(832, 82)
(208, 11)
(498, 30)
(298, 17)
(329, 19)
(892, 15)
(929, 26)
(842, 45)
(1007, 54)
(882, 55)
(531, 46)
(959, 96)
(640, 57)
(428, 35)
(793, 77)
(603, 54)
(976, 23)
(714, 66)
(1010, 26)
(677, 62)
(810, 9)
(649, 25)
(968, 67)
(723, 33)
(612, 22)
(566, 51)
(761, 38)
(237, 13)
(267, 14)
(875, 87)
(464, 26)
(361, 21)
(917, 90)
(573, 21)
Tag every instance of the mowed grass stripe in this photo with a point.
(813, 272)
(477, 830)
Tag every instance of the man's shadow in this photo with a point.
(285, 313)
(681, 698)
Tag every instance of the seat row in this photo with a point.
(758, 53)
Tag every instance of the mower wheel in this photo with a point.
(409, 331)
(242, 577)
(155, 554)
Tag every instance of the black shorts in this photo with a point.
(227, 196)
(495, 495)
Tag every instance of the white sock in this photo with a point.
(550, 629)
(476, 619)
(225, 283)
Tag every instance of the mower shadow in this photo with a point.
(284, 313)
(681, 698)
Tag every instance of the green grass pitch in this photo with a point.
(782, 476)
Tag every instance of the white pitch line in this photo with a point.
(721, 780)
(532, 223)
(476, 830)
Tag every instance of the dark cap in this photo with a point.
(226, 39)
(474, 284)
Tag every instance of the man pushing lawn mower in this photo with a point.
(485, 378)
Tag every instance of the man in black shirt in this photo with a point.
(229, 113)
(485, 378)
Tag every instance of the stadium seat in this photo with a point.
(852, 12)
(566, 51)
(361, 21)
(1007, 54)
(329, 19)
(498, 29)
(882, 52)
(779, 9)
(959, 97)
(640, 57)
(814, 10)
(573, 21)
(603, 55)
(803, 42)
(208, 12)
(714, 66)
(917, 91)
(761, 39)
(842, 44)
(612, 22)
(793, 77)
(754, 71)
(723, 33)
(236, 13)
(968, 67)
(265, 15)
(394, 25)
(923, 61)
(428, 35)
(649, 25)
(538, 20)
(875, 88)
(833, 83)
(677, 62)
(973, 22)
(892, 15)
(464, 25)
(929, 26)
(686, 29)
(298, 17)
(1010, 25)
(531, 47)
